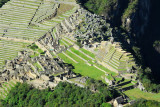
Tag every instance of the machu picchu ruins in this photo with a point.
(44, 42)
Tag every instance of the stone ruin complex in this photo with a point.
(24, 69)
(109, 54)
(90, 30)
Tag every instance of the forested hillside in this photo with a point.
(65, 94)
(145, 103)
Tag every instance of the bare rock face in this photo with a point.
(138, 19)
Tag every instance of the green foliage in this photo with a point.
(34, 47)
(79, 44)
(156, 44)
(64, 94)
(102, 88)
(145, 103)
(106, 105)
(2, 2)
(137, 53)
(97, 6)
(132, 7)
(145, 76)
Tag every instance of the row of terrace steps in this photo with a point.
(109, 55)
(53, 22)
(44, 11)
(113, 59)
(6, 87)
(21, 18)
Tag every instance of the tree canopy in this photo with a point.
(64, 94)
(145, 103)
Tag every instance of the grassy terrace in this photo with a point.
(79, 53)
(136, 93)
(62, 43)
(6, 87)
(87, 52)
(90, 61)
(68, 0)
(70, 39)
(20, 29)
(9, 49)
(126, 82)
(38, 66)
(69, 44)
(36, 50)
(74, 57)
(64, 9)
(53, 33)
(83, 68)
(66, 59)
(91, 71)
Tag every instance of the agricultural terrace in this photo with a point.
(24, 21)
(84, 62)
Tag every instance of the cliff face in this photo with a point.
(132, 15)
(114, 11)
(137, 18)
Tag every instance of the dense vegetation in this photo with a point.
(145, 103)
(2, 2)
(132, 8)
(65, 94)
(34, 47)
(145, 76)
(97, 6)
(102, 88)
(112, 9)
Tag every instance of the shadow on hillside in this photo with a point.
(151, 56)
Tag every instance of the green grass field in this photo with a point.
(79, 53)
(87, 52)
(83, 68)
(89, 70)
(86, 58)
(136, 93)
(6, 87)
